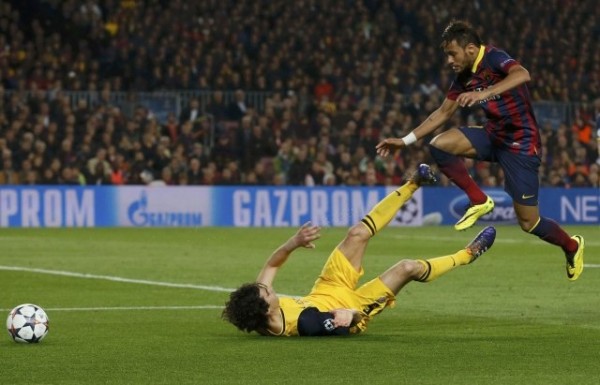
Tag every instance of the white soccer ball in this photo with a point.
(27, 323)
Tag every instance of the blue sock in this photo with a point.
(551, 232)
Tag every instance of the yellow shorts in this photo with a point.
(336, 288)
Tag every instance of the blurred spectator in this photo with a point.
(300, 168)
(171, 128)
(8, 175)
(191, 113)
(330, 93)
(99, 175)
(217, 107)
(237, 108)
(100, 158)
(260, 144)
(223, 152)
(195, 175)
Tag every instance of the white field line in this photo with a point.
(121, 279)
(116, 279)
(136, 281)
(120, 308)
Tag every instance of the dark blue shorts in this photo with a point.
(520, 171)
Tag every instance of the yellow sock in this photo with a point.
(384, 211)
(436, 267)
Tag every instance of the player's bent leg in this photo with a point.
(446, 149)
(402, 273)
(454, 142)
(427, 270)
(550, 231)
(528, 216)
(436, 267)
(353, 246)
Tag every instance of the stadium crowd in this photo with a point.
(340, 75)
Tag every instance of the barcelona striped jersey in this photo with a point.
(511, 122)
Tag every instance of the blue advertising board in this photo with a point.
(242, 206)
(38, 206)
(568, 206)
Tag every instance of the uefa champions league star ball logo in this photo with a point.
(27, 323)
(409, 212)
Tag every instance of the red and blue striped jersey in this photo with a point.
(511, 121)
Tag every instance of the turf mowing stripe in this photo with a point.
(116, 279)
(204, 307)
(591, 265)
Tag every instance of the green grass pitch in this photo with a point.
(510, 318)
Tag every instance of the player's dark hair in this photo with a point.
(462, 32)
(246, 309)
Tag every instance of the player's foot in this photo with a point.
(473, 214)
(575, 263)
(481, 243)
(423, 175)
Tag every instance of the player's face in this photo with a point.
(457, 57)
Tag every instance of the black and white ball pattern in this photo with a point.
(27, 323)
(409, 213)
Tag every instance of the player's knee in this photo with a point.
(438, 152)
(441, 142)
(433, 149)
(408, 269)
(526, 224)
(358, 232)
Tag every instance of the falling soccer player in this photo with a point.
(335, 306)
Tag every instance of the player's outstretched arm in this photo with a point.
(433, 122)
(304, 237)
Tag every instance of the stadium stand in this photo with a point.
(270, 92)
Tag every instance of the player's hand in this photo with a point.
(306, 235)
(467, 99)
(386, 146)
(343, 317)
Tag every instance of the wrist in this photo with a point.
(409, 139)
(356, 317)
(292, 245)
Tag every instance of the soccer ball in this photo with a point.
(27, 323)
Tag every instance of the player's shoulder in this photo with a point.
(492, 48)
(497, 57)
(493, 52)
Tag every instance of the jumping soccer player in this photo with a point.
(489, 77)
(335, 306)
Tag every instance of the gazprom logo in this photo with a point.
(140, 214)
(503, 212)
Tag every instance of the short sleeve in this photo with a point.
(312, 322)
(500, 61)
